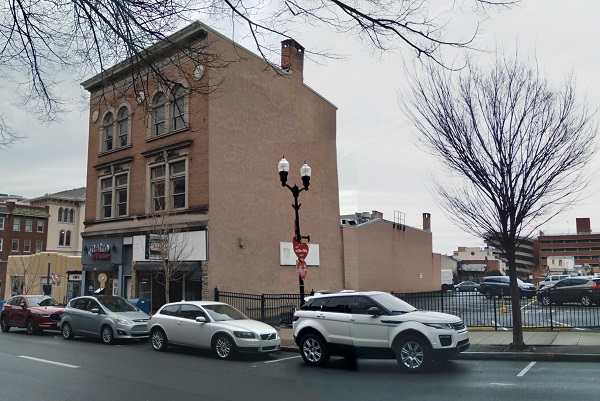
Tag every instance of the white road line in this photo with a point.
(522, 373)
(66, 365)
(283, 359)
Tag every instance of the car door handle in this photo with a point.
(180, 323)
(320, 316)
(351, 320)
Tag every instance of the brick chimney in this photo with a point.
(426, 221)
(583, 225)
(292, 56)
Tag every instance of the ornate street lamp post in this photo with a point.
(284, 168)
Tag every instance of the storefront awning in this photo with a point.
(100, 268)
(152, 266)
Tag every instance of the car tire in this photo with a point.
(158, 339)
(4, 324)
(413, 354)
(313, 349)
(30, 326)
(223, 347)
(67, 331)
(586, 300)
(545, 300)
(106, 335)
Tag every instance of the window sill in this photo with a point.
(110, 152)
(154, 138)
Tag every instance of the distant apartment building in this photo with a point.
(583, 246)
(475, 263)
(23, 231)
(525, 257)
(65, 224)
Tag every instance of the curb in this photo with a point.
(528, 356)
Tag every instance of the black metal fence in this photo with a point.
(478, 311)
(473, 308)
(273, 309)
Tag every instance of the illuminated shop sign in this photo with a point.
(99, 251)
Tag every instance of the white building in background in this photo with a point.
(561, 264)
(67, 212)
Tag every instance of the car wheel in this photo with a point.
(586, 300)
(545, 300)
(30, 326)
(487, 293)
(4, 324)
(223, 347)
(413, 354)
(67, 331)
(313, 349)
(106, 334)
(158, 340)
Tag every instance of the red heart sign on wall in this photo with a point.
(301, 268)
(301, 250)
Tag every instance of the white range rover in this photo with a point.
(375, 325)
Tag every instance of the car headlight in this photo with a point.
(244, 334)
(441, 326)
(123, 322)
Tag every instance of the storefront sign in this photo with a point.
(157, 247)
(99, 251)
(74, 277)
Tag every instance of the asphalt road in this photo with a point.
(46, 367)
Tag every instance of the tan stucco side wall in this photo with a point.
(250, 212)
(389, 259)
(34, 267)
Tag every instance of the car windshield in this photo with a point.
(41, 301)
(117, 304)
(393, 304)
(221, 312)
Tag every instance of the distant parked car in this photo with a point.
(573, 289)
(551, 279)
(104, 317)
(466, 286)
(33, 312)
(497, 286)
(215, 326)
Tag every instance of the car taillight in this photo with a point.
(595, 286)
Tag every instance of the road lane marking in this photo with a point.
(66, 365)
(522, 373)
(283, 359)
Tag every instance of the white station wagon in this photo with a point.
(211, 325)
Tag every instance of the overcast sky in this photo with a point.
(380, 168)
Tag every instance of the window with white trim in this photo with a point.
(123, 126)
(1, 223)
(168, 186)
(66, 216)
(114, 196)
(27, 246)
(60, 214)
(40, 226)
(61, 238)
(168, 111)
(71, 215)
(17, 224)
(28, 225)
(1, 244)
(38, 246)
(107, 132)
(159, 105)
(15, 245)
(178, 108)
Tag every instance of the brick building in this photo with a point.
(209, 161)
(23, 230)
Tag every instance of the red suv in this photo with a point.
(33, 312)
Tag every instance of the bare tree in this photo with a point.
(40, 39)
(25, 273)
(518, 144)
(169, 246)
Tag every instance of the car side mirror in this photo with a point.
(23, 305)
(201, 319)
(95, 310)
(374, 311)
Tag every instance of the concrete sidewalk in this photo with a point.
(489, 344)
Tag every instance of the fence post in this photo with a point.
(551, 320)
(442, 300)
(495, 314)
(216, 294)
(262, 307)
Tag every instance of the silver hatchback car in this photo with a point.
(104, 317)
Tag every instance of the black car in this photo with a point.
(584, 290)
(498, 286)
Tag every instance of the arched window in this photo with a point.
(107, 132)
(178, 109)
(158, 114)
(71, 215)
(61, 238)
(66, 216)
(122, 125)
(60, 213)
(68, 239)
